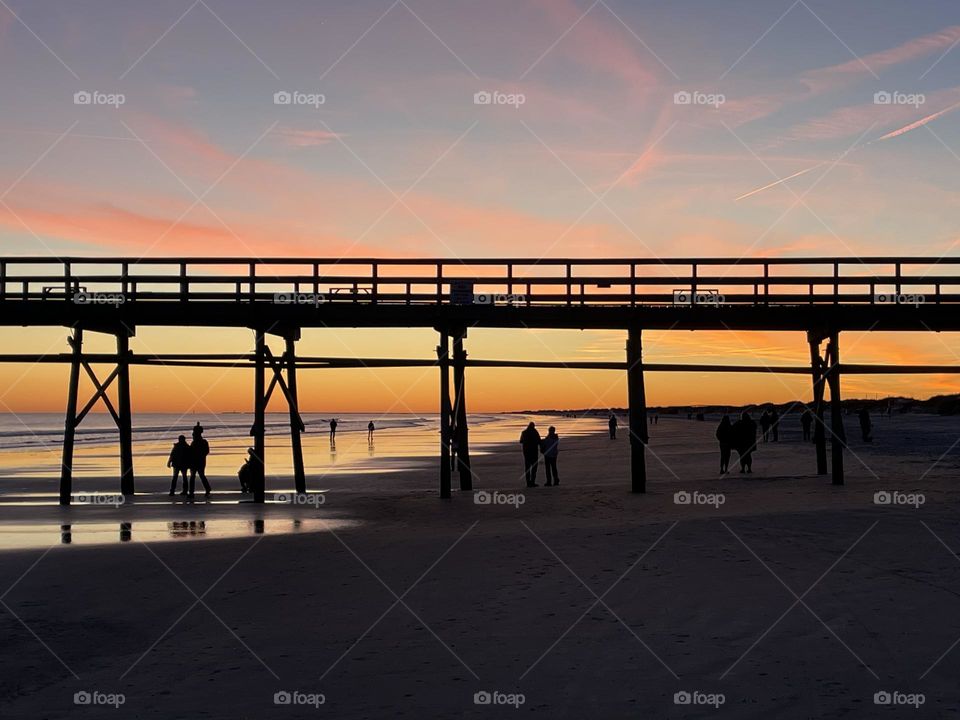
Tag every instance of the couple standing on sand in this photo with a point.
(532, 445)
(741, 436)
(192, 457)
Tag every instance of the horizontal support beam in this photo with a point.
(240, 361)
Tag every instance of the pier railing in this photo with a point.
(485, 281)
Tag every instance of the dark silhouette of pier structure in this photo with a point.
(822, 297)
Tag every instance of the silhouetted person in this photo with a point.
(333, 430)
(530, 444)
(247, 472)
(806, 421)
(765, 425)
(254, 466)
(745, 438)
(180, 462)
(199, 449)
(775, 425)
(612, 424)
(866, 426)
(370, 428)
(551, 449)
(725, 438)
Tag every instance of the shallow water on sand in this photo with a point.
(21, 536)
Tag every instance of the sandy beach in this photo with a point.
(787, 598)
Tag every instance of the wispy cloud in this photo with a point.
(305, 138)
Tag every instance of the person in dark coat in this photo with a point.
(612, 423)
(725, 438)
(745, 437)
(199, 449)
(866, 426)
(247, 472)
(180, 462)
(551, 449)
(806, 420)
(530, 444)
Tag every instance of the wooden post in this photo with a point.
(259, 418)
(636, 397)
(443, 351)
(70, 421)
(125, 424)
(838, 436)
(462, 430)
(819, 436)
(296, 423)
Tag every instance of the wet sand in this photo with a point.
(390, 602)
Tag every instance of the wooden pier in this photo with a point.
(822, 297)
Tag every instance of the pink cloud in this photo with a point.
(829, 78)
(304, 138)
(599, 42)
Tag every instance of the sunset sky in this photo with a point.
(602, 158)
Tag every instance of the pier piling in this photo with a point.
(461, 429)
(636, 397)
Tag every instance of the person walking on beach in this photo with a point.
(551, 449)
(775, 425)
(612, 424)
(725, 438)
(199, 449)
(530, 444)
(806, 420)
(180, 462)
(333, 430)
(866, 426)
(765, 425)
(370, 428)
(745, 436)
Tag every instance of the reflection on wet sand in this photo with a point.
(40, 535)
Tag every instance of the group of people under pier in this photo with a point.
(189, 460)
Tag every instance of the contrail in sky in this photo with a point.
(919, 123)
(890, 135)
(782, 180)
